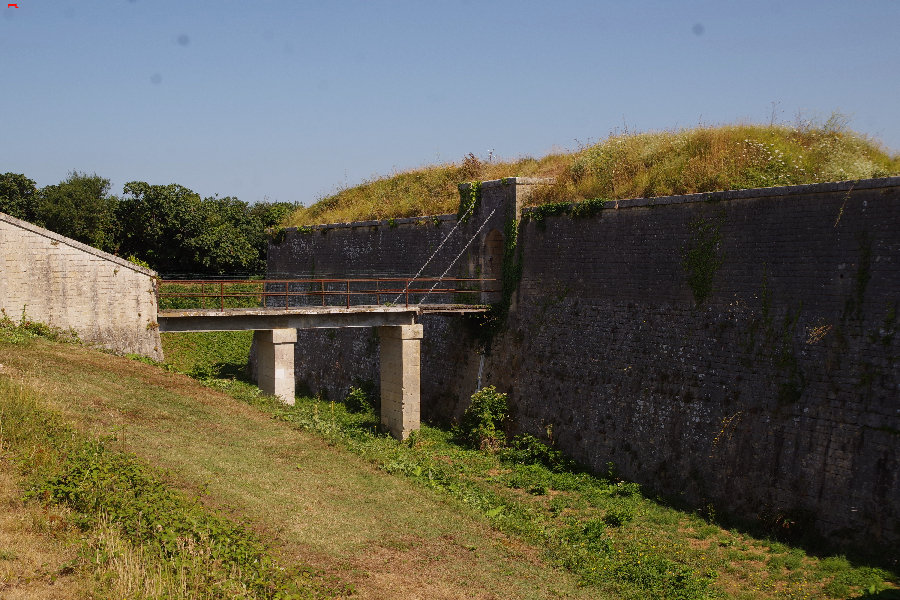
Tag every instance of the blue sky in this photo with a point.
(287, 100)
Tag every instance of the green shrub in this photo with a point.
(660, 577)
(534, 479)
(590, 535)
(137, 261)
(618, 515)
(358, 401)
(525, 449)
(482, 423)
(836, 589)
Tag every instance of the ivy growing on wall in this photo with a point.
(469, 198)
(278, 235)
(854, 302)
(583, 209)
(490, 324)
(777, 346)
(701, 257)
(540, 213)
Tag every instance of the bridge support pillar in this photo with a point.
(275, 360)
(400, 372)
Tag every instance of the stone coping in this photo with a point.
(769, 192)
(75, 244)
(491, 183)
(426, 220)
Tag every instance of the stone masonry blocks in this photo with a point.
(275, 360)
(59, 281)
(400, 378)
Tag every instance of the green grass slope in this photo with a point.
(628, 165)
(314, 490)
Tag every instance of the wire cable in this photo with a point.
(441, 245)
(466, 247)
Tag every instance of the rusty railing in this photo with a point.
(257, 292)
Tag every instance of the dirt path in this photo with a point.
(320, 506)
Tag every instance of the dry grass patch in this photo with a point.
(35, 543)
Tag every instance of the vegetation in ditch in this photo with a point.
(612, 533)
(629, 165)
(609, 532)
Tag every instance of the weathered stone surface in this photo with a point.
(275, 357)
(53, 279)
(400, 361)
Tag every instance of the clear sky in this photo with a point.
(288, 99)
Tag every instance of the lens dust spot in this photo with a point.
(698, 29)
(156, 79)
(183, 39)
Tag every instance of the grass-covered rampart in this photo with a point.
(140, 536)
(628, 165)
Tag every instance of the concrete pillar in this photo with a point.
(275, 362)
(400, 367)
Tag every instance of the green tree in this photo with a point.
(159, 223)
(174, 230)
(232, 238)
(17, 196)
(80, 207)
(273, 214)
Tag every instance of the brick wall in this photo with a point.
(777, 395)
(107, 300)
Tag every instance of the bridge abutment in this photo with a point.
(400, 378)
(275, 359)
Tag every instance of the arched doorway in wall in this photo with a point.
(492, 261)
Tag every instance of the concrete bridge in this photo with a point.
(275, 331)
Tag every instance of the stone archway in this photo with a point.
(491, 266)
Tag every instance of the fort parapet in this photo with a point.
(738, 348)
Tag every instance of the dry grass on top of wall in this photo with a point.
(428, 190)
(629, 165)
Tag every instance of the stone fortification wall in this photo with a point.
(107, 300)
(330, 361)
(775, 396)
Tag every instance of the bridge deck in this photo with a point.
(302, 317)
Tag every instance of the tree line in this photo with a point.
(168, 227)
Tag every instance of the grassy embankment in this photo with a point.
(629, 165)
(342, 508)
(333, 521)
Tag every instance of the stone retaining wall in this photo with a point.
(777, 396)
(56, 280)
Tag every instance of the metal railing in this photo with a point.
(250, 293)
